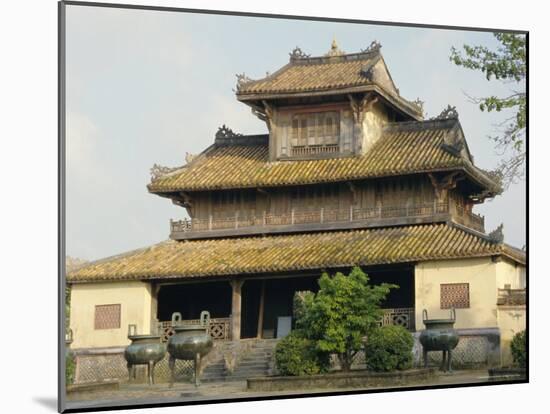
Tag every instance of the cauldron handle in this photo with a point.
(205, 318)
(424, 315)
(453, 314)
(132, 329)
(176, 318)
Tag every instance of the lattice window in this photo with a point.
(455, 295)
(107, 317)
(315, 130)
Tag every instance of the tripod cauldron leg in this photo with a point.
(449, 368)
(150, 368)
(197, 369)
(443, 366)
(425, 356)
(172, 366)
(129, 366)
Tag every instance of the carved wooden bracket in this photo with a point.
(264, 113)
(360, 107)
(184, 200)
(236, 284)
(444, 184)
(268, 111)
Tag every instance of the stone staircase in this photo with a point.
(254, 363)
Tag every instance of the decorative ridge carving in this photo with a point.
(226, 132)
(366, 71)
(497, 235)
(375, 46)
(158, 171)
(452, 141)
(448, 113)
(493, 175)
(335, 50)
(242, 80)
(419, 104)
(298, 53)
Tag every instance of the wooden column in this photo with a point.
(261, 312)
(236, 304)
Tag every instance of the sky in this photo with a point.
(146, 87)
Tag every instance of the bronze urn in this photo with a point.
(189, 342)
(144, 350)
(439, 335)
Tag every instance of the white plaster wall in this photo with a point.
(373, 122)
(136, 307)
(511, 320)
(510, 273)
(480, 273)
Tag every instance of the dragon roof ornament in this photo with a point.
(158, 171)
(298, 53)
(419, 103)
(497, 235)
(242, 79)
(448, 113)
(375, 46)
(226, 132)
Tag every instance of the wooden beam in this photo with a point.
(260, 329)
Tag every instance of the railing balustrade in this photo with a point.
(399, 316)
(309, 216)
(220, 328)
(314, 150)
(469, 219)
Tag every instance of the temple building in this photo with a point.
(348, 174)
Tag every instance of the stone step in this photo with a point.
(255, 365)
(249, 373)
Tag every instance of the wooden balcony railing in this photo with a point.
(249, 219)
(314, 150)
(469, 219)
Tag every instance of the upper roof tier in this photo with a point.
(336, 73)
(237, 161)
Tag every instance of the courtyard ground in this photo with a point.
(131, 394)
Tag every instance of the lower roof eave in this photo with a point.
(271, 274)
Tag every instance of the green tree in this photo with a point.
(508, 64)
(345, 309)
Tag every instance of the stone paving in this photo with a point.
(131, 394)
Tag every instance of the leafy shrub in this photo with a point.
(345, 309)
(296, 355)
(519, 348)
(301, 303)
(389, 348)
(70, 368)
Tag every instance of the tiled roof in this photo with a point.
(344, 73)
(404, 148)
(309, 74)
(254, 255)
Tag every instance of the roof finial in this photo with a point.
(334, 49)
